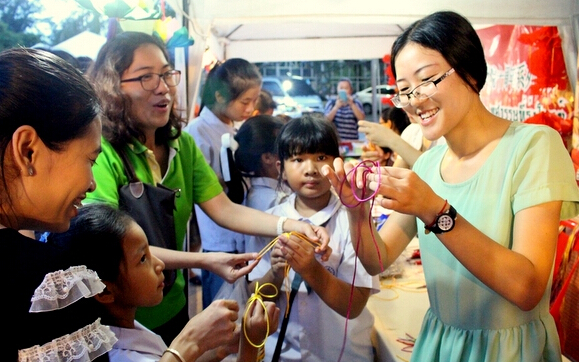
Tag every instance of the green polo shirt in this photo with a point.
(189, 172)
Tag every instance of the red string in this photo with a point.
(368, 168)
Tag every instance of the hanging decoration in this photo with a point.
(168, 30)
(390, 80)
(123, 9)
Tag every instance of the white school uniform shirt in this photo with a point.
(264, 193)
(136, 345)
(315, 332)
(207, 130)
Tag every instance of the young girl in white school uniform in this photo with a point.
(256, 159)
(108, 242)
(319, 317)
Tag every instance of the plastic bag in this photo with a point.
(237, 291)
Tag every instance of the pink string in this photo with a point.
(367, 166)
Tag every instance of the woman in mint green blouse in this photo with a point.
(486, 206)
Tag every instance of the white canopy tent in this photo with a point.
(85, 44)
(277, 30)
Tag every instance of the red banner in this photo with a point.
(527, 80)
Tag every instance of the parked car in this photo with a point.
(293, 95)
(384, 93)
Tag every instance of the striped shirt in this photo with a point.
(345, 120)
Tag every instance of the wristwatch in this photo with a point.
(444, 222)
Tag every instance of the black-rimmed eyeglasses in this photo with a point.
(421, 91)
(150, 81)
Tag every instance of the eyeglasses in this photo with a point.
(422, 91)
(151, 81)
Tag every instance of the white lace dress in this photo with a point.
(55, 319)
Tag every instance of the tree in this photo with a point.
(18, 15)
(78, 22)
(10, 39)
(16, 20)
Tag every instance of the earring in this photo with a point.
(30, 171)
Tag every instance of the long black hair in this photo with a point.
(230, 78)
(255, 137)
(95, 239)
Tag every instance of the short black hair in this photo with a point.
(310, 133)
(454, 38)
(397, 116)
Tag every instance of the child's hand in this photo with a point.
(260, 323)
(278, 263)
(299, 253)
(314, 233)
(373, 153)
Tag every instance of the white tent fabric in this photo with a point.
(306, 30)
(84, 44)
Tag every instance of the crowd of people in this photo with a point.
(291, 228)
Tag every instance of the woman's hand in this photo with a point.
(215, 326)
(377, 133)
(403, 191)
(230, 266)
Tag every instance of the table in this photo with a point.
(398, 309)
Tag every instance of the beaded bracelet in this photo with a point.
(280, 223)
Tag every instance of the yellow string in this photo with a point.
(271, 244)
(394, 286)
(257, 297)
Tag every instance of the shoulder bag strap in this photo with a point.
(295, 286)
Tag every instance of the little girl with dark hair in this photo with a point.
(319, 319)
(257, 160)
(109, 242)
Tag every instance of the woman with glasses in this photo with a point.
(486, 206)
(136, 83)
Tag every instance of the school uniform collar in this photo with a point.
(139, 339)
(211, 119)
(321, 217)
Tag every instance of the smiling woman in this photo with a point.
(142, 121)
(48, 143)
